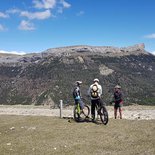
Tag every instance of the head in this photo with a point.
(117, 88)
(78, 83)
(96, 80)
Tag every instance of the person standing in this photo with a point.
(77, 94)
(118, 101)
(95, 92)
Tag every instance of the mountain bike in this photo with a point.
(103, 113)
(79, 114)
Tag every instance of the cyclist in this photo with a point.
(77, 94)
(95, 92)
(118, 101)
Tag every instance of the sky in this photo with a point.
(28, 26)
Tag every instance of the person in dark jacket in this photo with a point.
(118, 101)
(77, 94)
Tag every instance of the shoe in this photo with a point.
(93, 120)
(99, 112)
(87, 117)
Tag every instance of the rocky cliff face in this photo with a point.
(49, 76)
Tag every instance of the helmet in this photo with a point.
(96, 80)
(118, 87)
(78, 82)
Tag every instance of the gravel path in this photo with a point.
(131, 112)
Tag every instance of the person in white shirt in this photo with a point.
(95, 92)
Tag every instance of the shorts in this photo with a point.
(80, 102)
(118, 104)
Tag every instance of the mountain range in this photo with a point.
(49, 76)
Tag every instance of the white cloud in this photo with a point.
(3, 15)
(80, 13)
(44, 4)
(2, 28)
(65, 4)
(47, 7)
(150, 36)
(153, 52)
(26, 25)
(13, 11)
(13, 52)
(36, 15)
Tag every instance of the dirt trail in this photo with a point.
(130, 112)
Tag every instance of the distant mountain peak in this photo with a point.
(75, 50)
(106, 50)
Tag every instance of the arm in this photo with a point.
(112, 99)
(100, 90)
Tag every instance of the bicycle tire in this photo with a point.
(104, 115)
(86, 112)
(81, 116)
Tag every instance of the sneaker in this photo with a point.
(99, 112)
(93, 118)
(87, 117)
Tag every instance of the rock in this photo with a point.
(31, 128)
(12, 128)
(104, 70)
(80, 59)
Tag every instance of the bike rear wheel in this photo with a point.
(82, 114)
(104, 115)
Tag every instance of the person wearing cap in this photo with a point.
(95, 92)
(77, 94)
(118, 101)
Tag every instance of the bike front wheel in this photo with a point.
(104, 115)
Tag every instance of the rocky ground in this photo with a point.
(129, 112)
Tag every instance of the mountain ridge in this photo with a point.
(107, 50)
(49, 76)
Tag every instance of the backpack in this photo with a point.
(94, 91)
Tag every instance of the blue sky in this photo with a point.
(36, 25)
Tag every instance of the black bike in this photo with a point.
(103, 113)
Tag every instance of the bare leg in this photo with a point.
(115, 113)
(120, 112)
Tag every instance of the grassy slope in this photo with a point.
(51, 136)
(54, 77)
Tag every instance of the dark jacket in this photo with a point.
(76, 93)
(118, 97)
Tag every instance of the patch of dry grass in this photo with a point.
(54, 136)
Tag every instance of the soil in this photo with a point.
(129, 112)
